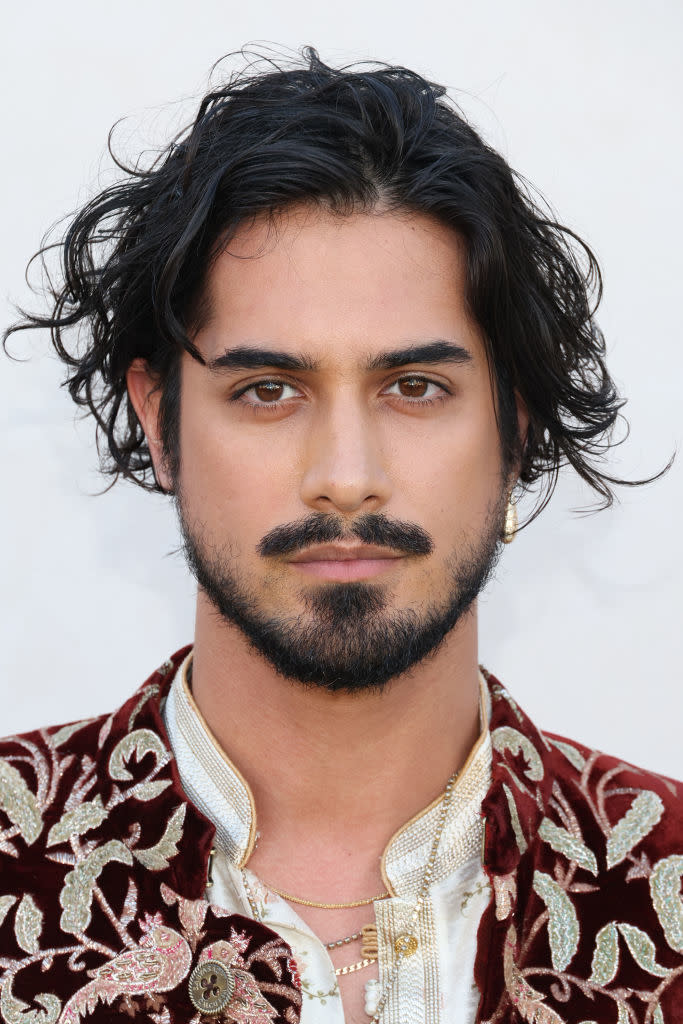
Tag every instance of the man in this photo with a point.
(330, 324)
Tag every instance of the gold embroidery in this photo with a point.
(506, 738)
(77, 894)
(605, 963)
(75, 823)
(19, 803)
(157, 857)
(642, 816)
(140, 742)
(562, 842)
(563, 924)
(28, 924)
(665, 889)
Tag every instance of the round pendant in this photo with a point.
(405, 945)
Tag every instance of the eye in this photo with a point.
(418, 388)
(266, 392)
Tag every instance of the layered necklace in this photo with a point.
(376, 996)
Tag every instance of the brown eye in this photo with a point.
(413, 387)
(268, 391)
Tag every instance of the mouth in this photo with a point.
(345, 563)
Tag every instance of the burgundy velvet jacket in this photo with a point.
(103, 872)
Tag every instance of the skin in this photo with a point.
(336, 774)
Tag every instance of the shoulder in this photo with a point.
(586, 856)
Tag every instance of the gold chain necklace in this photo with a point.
(405, 944)
(325, 906)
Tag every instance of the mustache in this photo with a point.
(325, 528)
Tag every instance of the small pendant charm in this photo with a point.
(371, 997)
(369, 933)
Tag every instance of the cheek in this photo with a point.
(454, 474)
(229, 479)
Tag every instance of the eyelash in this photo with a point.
(266, 407)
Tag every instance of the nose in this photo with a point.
(344, 469)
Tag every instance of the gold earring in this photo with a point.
(511, 522)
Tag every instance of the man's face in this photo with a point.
(340, 487)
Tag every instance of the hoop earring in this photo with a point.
(511, 522)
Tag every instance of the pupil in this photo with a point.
(414, 387)
(269, 392)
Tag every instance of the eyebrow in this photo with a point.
(256, 358)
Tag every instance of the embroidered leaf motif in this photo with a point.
(642, 816)
(642, 950)
(574, 756)
(16, 1011)
(605, 963)
(151, 790)
(130, 904)
(75, 823)
(6, 902)
(658, 1016)
(505, 890)
(507, 738)
(28, 924)
(76, 895)
(140, 742)
(665, 890)
(563, 924)
(624, 1016)
(67, 731)
(528, 1001)
(19, 803)
(157, 857)
(562, 842)
(514, 818)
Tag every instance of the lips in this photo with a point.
(345, 553)
(345, 563)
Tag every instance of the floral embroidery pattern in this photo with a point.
(93, 808)
(589, 858)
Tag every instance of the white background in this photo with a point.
(584, 620)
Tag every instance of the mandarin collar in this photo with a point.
(218, 788)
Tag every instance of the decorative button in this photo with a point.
(211, 987)
(405, 945)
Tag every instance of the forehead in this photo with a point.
(338, 287)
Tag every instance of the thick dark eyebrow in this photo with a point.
(248, 358)
(432, 352)
(252, 358)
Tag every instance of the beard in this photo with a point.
(350, 640)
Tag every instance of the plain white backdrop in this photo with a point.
(583, 622)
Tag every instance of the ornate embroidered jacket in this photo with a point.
(103, 866)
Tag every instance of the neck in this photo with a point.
(324, 766)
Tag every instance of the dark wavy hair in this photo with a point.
(134, 259)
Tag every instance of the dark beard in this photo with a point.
(352, 643)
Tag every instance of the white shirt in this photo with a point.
(434, 985)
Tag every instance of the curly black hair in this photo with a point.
(134, 259)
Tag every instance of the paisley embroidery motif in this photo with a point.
(160, 962)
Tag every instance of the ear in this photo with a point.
(522, 419)
(145, 395)
(523, 428)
